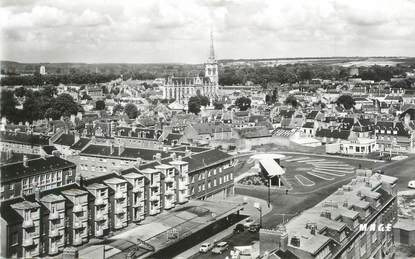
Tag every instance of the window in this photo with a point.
(214, 182)
(14, 238)
(12, 186)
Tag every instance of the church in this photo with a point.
(182, 88)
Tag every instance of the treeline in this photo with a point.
(292, 73)
(36, 104)
(379, 73)
(77, 78)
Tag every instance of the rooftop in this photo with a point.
(36, 166)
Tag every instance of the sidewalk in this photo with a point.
(249, 210)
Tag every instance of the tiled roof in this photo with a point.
(392, 126)
(17, 171)
(82, 142)
(65, 140)
(24, 138)
(308, 125)
(312, 115)
(129, 153)
(254, 132)
(49, 149)
(208, 128)
(206, 158)
(335, 133)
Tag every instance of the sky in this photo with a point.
(159, 31)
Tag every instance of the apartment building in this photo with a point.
(155, 192)
(47, 172)
(53, 221)
(76, 216)
(136, 194)
(26, 241)
(118, 201)
(98, 209)
(43, 221)
(350, 223)
(22, 142)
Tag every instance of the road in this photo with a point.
(286, 206)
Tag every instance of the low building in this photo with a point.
(18, 179)
(354, 222)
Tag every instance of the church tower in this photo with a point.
(211, 66)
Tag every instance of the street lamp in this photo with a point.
(259, 208)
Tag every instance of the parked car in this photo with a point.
(220, 248)
(254, 227)
(411, 184)
(239, 228)
(205, 247)
(248, 222)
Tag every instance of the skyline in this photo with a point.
(162, 31)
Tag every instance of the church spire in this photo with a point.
(212, 50)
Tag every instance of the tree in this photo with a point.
(347, 101)
(131, 111)
(291, 100)
(8, 105)
(32, 109)
(20, 92)
(204, 101)
(104, 89)
(52, 113)
(65, 104)
(194, 104)
(100, 105)
(218, 105)
(117, 108)
(86, 97)
(243, 103)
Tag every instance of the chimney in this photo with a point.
(138, 162)
(283, 237)
(188, 153)
(36, 190)
(121, 148)
(179, 158)
(79, 180)
(25, 161)
(173, 156)
(76, 135)
(158, 157)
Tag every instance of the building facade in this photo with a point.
(182, 88)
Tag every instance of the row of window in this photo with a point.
(212, 183)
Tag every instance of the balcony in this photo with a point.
(28, 242)
(119, 210)
(54, 215)
(138, 203)
(119, 195)
(77, 241)
(154, 197)
(99, 232)
(77, 225)
(77, 208)
(118, 225)
(99, 201)
(53, 250)
(28, 223)
(54, 233)
(169, 192)
(155, 183)
(169, 179)
(182, 186)
(139, 188)
(154, 212)
(100, 217)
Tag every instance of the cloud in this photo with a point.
(178, 31)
